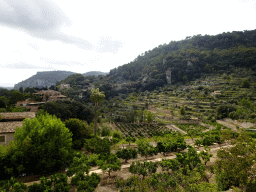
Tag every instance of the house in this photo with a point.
(7, 130)
(50, 95)
(9, 123)
(80, 95)
(28, 104)
(64, 86)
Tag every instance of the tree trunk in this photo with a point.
(95, 121)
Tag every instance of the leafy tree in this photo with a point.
(21, 89)
(223, 111)
(191, 158)
(235, 166)
(127, 154)
(149, 116)
(208, 140)
(245, 83)
(130, 139)
(167, 164)
(96, 97)
(43, 141)
(105, 130)
(14, 184)
(144, 169)
(205, 155)
(167, 146)
(109, 162)
(79, 167)
(57, 182)
(3, 102)
(145, 149)
(97, 145)
(117, 135)
(192, 132)
(65, 109)
(80, 163)
(182, 111)
(16, 96)
(88, 183)
(93, 158)
(198, 142)
(78, 129)
(226, 134)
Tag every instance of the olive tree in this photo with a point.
(96, 97)
(236, 166)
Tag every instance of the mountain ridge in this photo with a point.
(48, 78)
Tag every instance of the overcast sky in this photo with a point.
(91, 35)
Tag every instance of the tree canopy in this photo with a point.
(43, 142)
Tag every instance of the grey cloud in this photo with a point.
(107, 45)
(55, 35)
(41, 18)
(32, 14)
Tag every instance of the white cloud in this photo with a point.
(81, 36)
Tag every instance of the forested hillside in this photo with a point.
(178, 62)
(189, 59)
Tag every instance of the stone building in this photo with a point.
(64, 86)
(50, 95)
(9, 123)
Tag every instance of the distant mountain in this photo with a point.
(43, 79)
(9, 88)
(95, 73)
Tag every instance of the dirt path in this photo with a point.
(175, 128)
(208, 126)
(106, 183)
(227, 124)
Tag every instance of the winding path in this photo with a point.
(175, 128)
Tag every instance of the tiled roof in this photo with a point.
(9, 127)
(18, 115)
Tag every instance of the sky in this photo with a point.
(99, 35)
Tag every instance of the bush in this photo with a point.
(208, 140)
(105, 130)
(145, 149)
(97, 145)
(127, 154)
(109, 162)
(117, 134)
(79, 131)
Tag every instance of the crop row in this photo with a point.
(142, 130)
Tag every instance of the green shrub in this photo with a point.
(117, 134)
(105, 131)
(97, 145)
